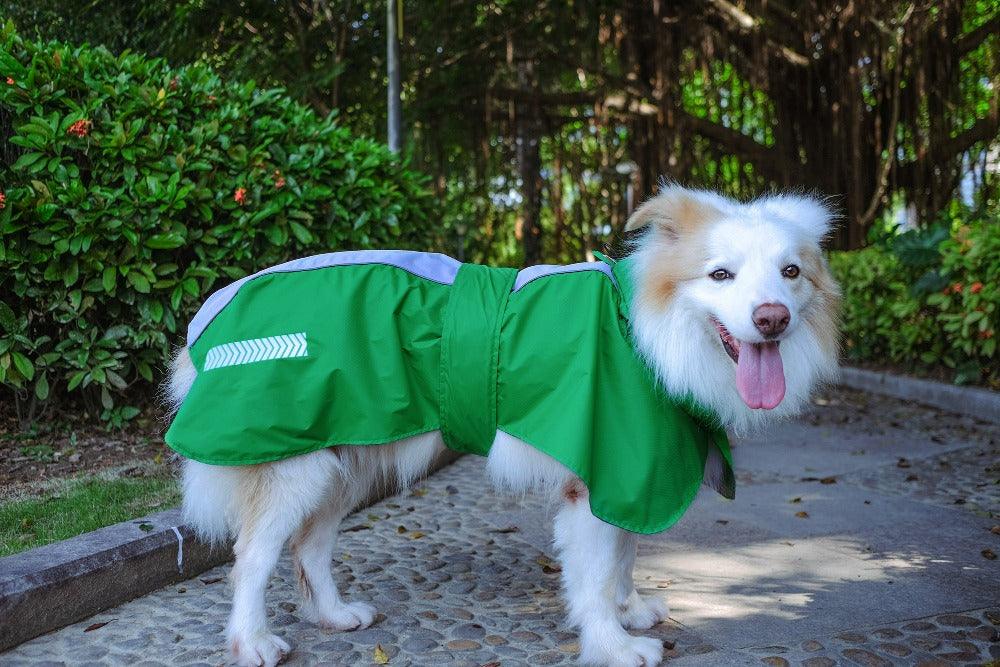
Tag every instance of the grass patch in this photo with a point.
(80, 505)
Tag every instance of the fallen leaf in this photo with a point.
(211, 580)
(495, 663)
(381, 657)
(722, 521)
(995, 530)
(549, 566)
(911, 478)
(373, 517)
(145, 527)
(400, 529)
(422, 491)
(828, 480)
(354, 529)
(98, 626)
(416, 535)
(902, 463)
(796, 499)
(506, 529)
(669, 645)
(988, 554)
(802, 515)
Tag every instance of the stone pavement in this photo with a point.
(860, 535)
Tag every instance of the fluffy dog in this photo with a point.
(733, 306)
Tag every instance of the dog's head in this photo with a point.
(734, 302)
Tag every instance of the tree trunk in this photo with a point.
(528, 121)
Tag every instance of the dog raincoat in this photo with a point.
(368, 347)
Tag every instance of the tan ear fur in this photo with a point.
(823, 319)
(675, 210)
(674, 213)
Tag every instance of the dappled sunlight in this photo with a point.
(776, 578)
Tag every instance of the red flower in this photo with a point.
(976, 287)
(957, 288)
(173, 83)
(3, 201)
(240, 196)
(10, 81)
(80, 128)
(279, 180)
(986, 335)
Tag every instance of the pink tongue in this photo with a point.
(760, 377)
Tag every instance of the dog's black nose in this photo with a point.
(771, 318)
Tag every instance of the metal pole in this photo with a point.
(395, 114)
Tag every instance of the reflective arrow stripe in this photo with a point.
(256, 349)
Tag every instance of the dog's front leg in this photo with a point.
(592, 554)
(635, 611)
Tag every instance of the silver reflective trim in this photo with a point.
(525, 276)
(429, 265)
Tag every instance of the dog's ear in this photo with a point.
(811, 216)
(675, 211)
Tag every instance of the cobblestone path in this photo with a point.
(860, 535)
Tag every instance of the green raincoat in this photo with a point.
(367, 347)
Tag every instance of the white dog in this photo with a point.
(719, 286)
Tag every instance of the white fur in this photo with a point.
(302, 500)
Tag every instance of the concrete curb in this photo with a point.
(972, 401)
(57, 584)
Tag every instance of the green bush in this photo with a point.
(130, 190)
(926, 300)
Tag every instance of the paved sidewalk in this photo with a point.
(857, 537)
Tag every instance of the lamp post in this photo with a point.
(393, 26)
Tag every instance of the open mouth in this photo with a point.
(760, 375)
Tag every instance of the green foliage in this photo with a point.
(926, 299)
(133, 189)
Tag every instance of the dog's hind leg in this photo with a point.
(312, 549)
(635, 611)
(591, 552)
(274, 500)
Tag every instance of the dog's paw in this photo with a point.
(622, 650)
(641, 613)
(259, 650)
(346, 616)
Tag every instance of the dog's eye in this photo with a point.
(720, 274)
(790, 271)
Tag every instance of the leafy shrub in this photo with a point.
(130, 190)
(926, 300)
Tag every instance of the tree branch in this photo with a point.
(974, 38)
(984, 129)
(730, 139)
(738, 26)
